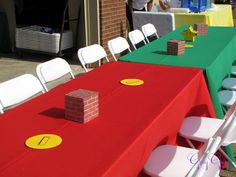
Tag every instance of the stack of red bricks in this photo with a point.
(81, 105)
(201, 28)
(175, 47)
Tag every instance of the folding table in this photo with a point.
(132, 121)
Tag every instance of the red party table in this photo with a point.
(133, 120)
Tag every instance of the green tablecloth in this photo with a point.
(214, 53)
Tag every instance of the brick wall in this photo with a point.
(112, 21)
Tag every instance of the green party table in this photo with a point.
(214, 53)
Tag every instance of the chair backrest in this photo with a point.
(18, 89)
(229, 135)
(118, 45)
(135, 37)
(149, 30)
(207, 165)
(228, 128)
(52, 70)
(91, 54)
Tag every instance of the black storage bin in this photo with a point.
(5, 44)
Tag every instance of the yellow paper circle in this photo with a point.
(132, 82)
(43, 141)
(188, 46)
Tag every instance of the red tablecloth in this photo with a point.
(132, 121)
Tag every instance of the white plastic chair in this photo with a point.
(118, 45)
(229, 83)
(176, 161)
(227, 98)
(52, 70)
(135, 37)
(233, 70)
(91, 54)
(149, 30)
(18, 89)
(201, 128)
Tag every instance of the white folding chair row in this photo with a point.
(136, 36)
(52, 70)
(23, 87)
(91, 54)
(18, 89)
(95, 52)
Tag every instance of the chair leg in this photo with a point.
(224, 109)
(44, 86)
(227, 157)
(190, 143)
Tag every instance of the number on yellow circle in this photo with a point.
(132, 82)
(43, 141)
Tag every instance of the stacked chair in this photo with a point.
(228, 96)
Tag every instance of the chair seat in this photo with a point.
(194, 128)
(175, 161)
(227, 97)
(233, 70)
(229, 83)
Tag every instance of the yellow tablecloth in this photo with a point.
(222, 16)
